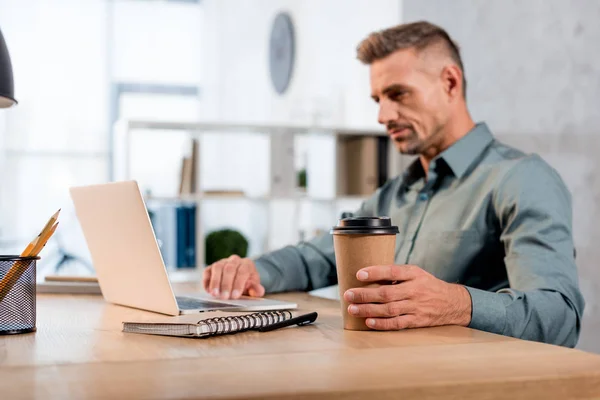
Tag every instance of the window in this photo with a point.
(68, 58)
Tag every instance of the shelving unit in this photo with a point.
(321, 198)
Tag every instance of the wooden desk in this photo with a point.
(80, 352)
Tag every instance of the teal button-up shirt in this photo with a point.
(486, 216)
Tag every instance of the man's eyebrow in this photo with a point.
(395, 88)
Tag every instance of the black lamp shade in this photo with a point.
(7, 86)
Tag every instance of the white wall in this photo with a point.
(533, 74)
(157, 42)
(326, 75)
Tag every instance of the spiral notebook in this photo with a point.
(213, 324)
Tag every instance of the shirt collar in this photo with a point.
(461, 155)
(458, 157)
(413, 173)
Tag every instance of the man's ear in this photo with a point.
(452, 81)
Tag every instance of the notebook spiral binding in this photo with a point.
(230, 324)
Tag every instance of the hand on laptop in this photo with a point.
(232, 277)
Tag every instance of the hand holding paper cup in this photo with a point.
(361, 242)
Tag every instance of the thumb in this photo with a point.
(255, 289)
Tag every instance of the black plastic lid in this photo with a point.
(365, 226)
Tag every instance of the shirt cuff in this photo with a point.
(265, 273)
(488, 310)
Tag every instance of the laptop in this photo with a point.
(127, 259)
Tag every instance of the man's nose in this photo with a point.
(386, 113)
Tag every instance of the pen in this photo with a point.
(299, 320)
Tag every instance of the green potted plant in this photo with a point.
(223, 243)
(301, 178)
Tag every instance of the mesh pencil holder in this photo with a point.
(17, 294)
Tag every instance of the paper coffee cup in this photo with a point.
(361, 242)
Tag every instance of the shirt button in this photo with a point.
(423, 196)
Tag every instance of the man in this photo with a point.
(485, 230)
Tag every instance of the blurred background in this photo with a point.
(236, 116)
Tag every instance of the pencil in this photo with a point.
(43, 240)
(51, 221)
(44, 231)
(30, 247)
(32, 250)
(12, 276)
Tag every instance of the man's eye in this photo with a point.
(397, 95)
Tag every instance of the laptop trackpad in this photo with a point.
(189, 303)
(245, 303)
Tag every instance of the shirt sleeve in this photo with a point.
(307, 265)
(543, 303)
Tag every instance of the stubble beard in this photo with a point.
(410, 146)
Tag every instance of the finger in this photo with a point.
(241, 277)
(388, 273)
(215, 277)
(392, 309)
(394, 324)
(253, 287)
(229, 271)
(381, 294)
(206, 278)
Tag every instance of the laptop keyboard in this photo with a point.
(188, 303)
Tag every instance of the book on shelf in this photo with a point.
(185, 183)
(174, 225)
(189, 171)
(186, 236)
(194, 167)
(223, 193)
(362, 164)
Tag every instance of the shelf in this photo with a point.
(245, 128)
(351, 198)
(284, 199)
(196, 198)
